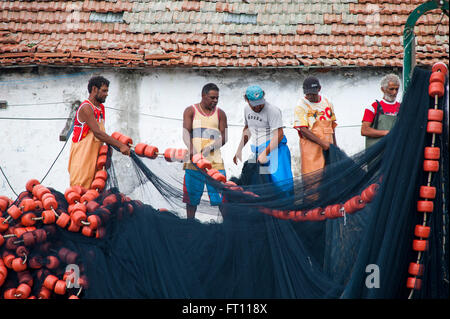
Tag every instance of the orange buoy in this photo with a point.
(437, 77)
(440, 67)
(125, 140)
(415, 269)
(102, 174)
(63, 220)
(204, 164)
(94, 221)
(18, 264)
(52, 262)
(425, 206)
(369, 193)
(413, 283)
(116, 135)
(48, 217)
(3, 205)
(219, 177)
(169, 154)
(50, 203)
(212, 171)
(98, 183)
(354, 204)
(14, 211)
(422, 231)
(181, 154)
(420, 244)
(432, 153)
(30, 184)
(103, 150)
(45, 293)
(60, 287)
(436, 88)
(139, 149)
(430, 166)
(73, 198)
(151, 152)
(435, 115)
(434, 127)
(27, 204)
(101, 161)
(28, 219)
(78, 217)
(197, 157)
(428, 192)
(23, 291)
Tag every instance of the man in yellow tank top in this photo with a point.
(204, 126)
(315, 121)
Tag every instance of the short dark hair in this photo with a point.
(97, 81)
(209, 87)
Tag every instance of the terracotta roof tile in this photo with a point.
(290, 33)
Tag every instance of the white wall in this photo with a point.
(28, 148)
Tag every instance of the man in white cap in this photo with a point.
(264, 126)
(315, 122)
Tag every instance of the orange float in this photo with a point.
(420, 244)
(413, 283)
(437, 77)
(102, 174)
(139, 149)
(425, 206)
(436, 88)
(430, 166)
(435, 115)
(169, 154)
(101, 161)
(30, 184)
(369, 193)
(440, 67)
(434, 127)
(428, 192)
(422, 231)
(151, 152)
(432, 153)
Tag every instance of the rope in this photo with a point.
(35, 118)
(54, 161)
(6, 178)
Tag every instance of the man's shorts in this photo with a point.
(193, 186)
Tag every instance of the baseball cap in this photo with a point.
(255, 95)
(311, 85)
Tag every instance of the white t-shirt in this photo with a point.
(262, 124)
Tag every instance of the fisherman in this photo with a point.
(89, 134)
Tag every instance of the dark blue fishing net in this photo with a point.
(256, 248)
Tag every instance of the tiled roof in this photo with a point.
(233, 33)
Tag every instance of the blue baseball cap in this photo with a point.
(255, 95)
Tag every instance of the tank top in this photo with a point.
(81, 129)
(205, 131)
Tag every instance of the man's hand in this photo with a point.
(124, 149)
(237, 157)
(325, 145)
(262, 158)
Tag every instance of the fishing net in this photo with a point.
(347, 231)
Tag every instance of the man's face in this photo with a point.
(101, 94)
(391, 91)
(210, 99)
(312, 97)
(257, 108)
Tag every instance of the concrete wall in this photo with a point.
(148, 106)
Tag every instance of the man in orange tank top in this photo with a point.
(89, 134)
(204, 131)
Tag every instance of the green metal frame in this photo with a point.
(409, 38)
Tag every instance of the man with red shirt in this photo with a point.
(89, 134)
(380, 117)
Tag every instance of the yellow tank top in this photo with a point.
(205, 131)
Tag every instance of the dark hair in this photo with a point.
(209, 87)
(97, 81)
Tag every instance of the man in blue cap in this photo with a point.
(264, 126)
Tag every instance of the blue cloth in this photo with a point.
(194, 184)
(278, 167)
